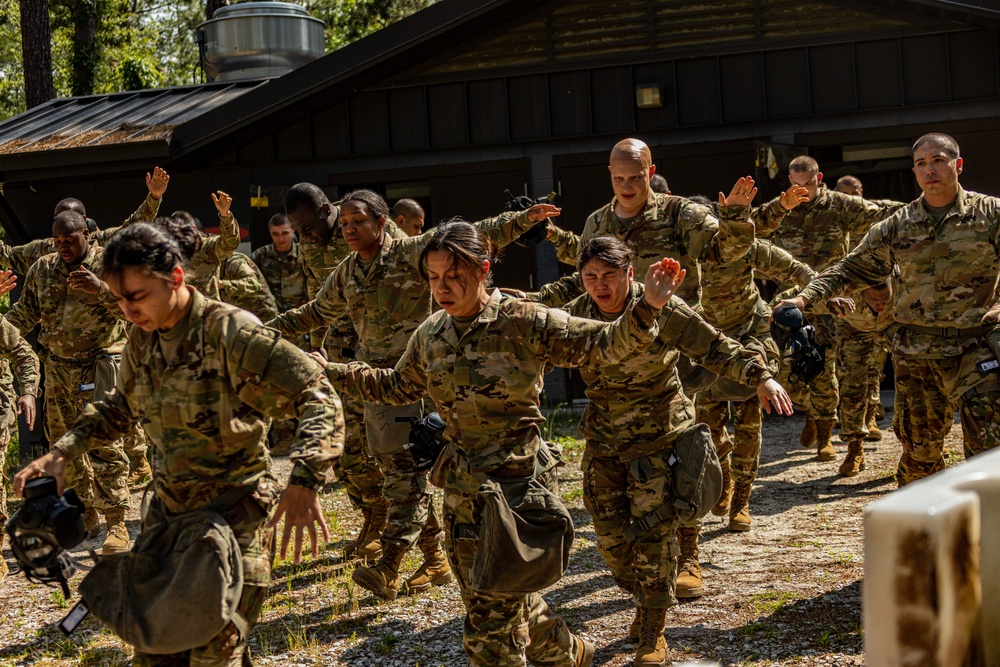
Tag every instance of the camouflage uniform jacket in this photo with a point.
(818, 232)
(243, 285)
(637, 406)
(320, 262)
(285, 275)
(17, 353)
(75, 325)
(390, 299)
(202, 270)
(730, 297)
(20, 258)
(207, 413)
(486, 382)
(948, 272)
(671, 226)
(567, 245)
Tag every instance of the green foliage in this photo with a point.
(151, 43)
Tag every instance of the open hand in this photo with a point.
(85, 280)
(8, 281)
(662, 280)
(157, 182)
(540, 212)
(26, 406)
(742, 193)
(773, 394)
(793, 196)
(52, 464)
(222, 202)
(841, 305)
(301, 509)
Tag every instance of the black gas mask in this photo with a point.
(536, 234)
(797, 341)
(426, 440)
(44, 527)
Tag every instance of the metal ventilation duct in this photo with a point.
(256, 40)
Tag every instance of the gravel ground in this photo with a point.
(786, 593)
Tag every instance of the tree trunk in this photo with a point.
(36, 51)
(84, 52)
(212, 5)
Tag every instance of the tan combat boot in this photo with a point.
(871, 422)
(824, 436)
(3, 563)
(434, 571)
(855, 461)
(366, 524)
(739, 510)
(116, 537)
(722, 507)
(584, 652)
(140, 472)
(689, 584)
(635, 630)
(652, 651)
(370, 543)
(382, 579)
(808, 436)
(91, 520)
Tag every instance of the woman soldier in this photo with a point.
(205, 378)
(380, 287)
(481, 359)
(637, 411)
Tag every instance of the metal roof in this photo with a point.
(119, 118)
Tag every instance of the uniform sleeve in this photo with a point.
(26, 312)
(682, 328)
(576, 342)
(778, 264)
(505, 228)
(145, 213)
(720, 241)
(225, 244)
(19, 258)
(767, 217)
(393, 231)
(557, 294)
(281, 381)
(567, 245)
(325, 309)
(861, 214)
(105, 420)
(22, 358)
(869, 264)
(401, 385)
(247, 288)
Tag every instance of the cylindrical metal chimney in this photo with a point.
(256, 40)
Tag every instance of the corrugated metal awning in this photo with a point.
(120, 118)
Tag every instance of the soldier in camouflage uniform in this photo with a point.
(866, 324)
(637, 411)
(242, 284)
(20, 258)
(14, 351)
(481, 359)
(323, 248)
(282, 267)
(205, 254)
(192, 369)
(945, 247)
(380, 287)
(80, 329)
(408, 216)
(817, 230)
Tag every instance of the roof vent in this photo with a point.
(258, 40)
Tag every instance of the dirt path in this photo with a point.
(786, 593)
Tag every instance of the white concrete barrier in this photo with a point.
(931, 593)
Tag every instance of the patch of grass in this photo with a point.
(771, 602)
(823, 641)
(842, 558)
(572, 495)
(386, 642)
(60, 600)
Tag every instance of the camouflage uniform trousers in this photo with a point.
(819, 399)
(100, 476)
(412, 518)
(617, 492)
(248, 519)
(134, 444)
(747, 422)
(861, 357)
(8, 422)
(927, 394)
(501, 629)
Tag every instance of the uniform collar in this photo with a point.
(962, 207)
(194, 340)
(490, 312)
(649, 213)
